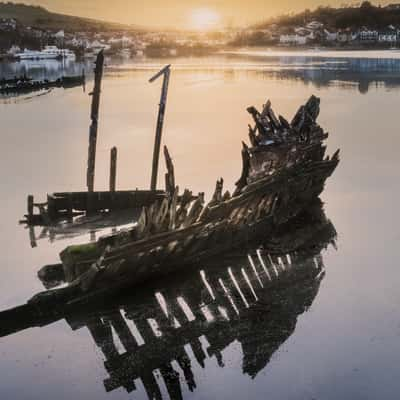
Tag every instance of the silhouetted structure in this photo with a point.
(251, 295)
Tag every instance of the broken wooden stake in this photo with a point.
(160, 122)
(170, 175)
(94, 115)
(113, 169)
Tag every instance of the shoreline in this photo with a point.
(316, 52)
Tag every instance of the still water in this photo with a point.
(325, 337)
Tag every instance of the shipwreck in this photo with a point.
(284, 169)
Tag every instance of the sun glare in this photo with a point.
(203, 19)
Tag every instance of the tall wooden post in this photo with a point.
(94, 116)
(160, 121)
(113, 169)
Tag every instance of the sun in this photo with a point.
(203, 19)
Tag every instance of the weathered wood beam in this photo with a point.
(242, 182)
(170, 175)
(113, 169)
(166, 71)
(94, 115)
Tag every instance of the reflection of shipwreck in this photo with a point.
(252, 296)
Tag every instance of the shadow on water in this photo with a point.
(252, 296)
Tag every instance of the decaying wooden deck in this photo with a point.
(66, 206)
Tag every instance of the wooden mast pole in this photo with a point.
(94, 116)
(160, 121)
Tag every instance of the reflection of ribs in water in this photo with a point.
(253, 297)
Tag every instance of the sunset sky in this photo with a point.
(183, 13)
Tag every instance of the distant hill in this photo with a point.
(39, 17)
(344, 17)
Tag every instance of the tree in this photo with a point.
(366, 5)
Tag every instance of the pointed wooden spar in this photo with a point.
(253, 135)
(217, 196)
(160, 122)
(94, 116)
(170, 175)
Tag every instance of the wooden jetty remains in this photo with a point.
(67, 205)
(283, 172)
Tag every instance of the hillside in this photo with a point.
(41, 18)
(341, 18)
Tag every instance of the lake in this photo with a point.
(335, 339)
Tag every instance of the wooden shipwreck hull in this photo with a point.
(284, 171)
(290, 253)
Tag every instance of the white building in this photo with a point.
(388, 36)
(97, 46)
(367, 35)
(293, 39)
(123, 41)
(330, 36)
(314, 25)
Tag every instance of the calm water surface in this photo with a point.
(343, 342)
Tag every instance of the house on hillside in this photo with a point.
(8, 24)
(314, 25)
(389, 35)
(294, 39)
(345, 36)
(367, 35)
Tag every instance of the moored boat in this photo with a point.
(48, 53)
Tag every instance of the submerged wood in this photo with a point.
(282, 175)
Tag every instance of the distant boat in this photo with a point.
(48, 53)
